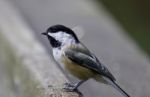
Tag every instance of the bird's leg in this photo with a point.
(72, 87)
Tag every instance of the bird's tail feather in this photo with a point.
(116, 86)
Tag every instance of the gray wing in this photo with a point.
(90, 62)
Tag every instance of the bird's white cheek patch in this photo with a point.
(51, 34)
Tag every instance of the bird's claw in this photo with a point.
(70, 87)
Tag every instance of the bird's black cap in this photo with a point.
(57, 28)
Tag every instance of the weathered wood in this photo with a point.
(29, 69)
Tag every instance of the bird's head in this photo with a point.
(59, 35)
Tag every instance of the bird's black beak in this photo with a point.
(44, 33)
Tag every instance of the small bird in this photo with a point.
(76, 59)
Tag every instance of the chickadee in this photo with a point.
(70, 53)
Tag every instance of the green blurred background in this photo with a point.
(134, 16)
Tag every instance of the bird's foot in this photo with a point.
(73, 88)
(70, 87)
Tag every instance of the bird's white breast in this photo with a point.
(57, 53)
